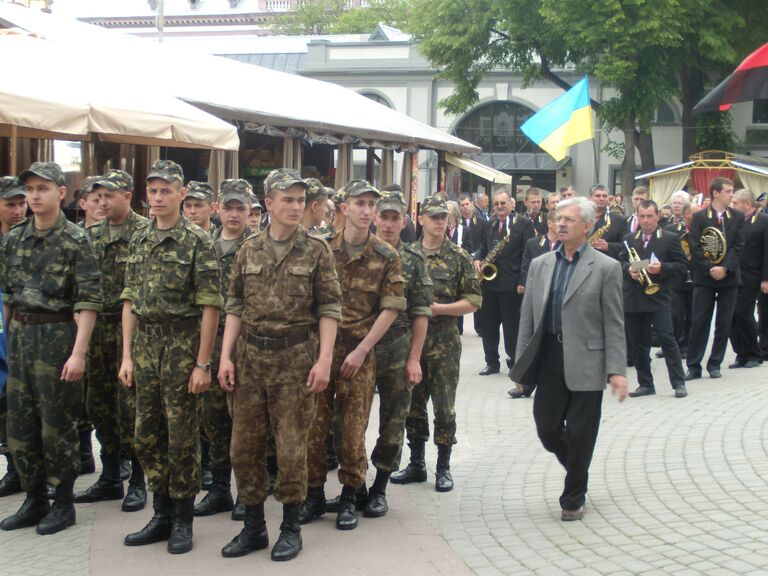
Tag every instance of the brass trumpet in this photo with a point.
(651, 287)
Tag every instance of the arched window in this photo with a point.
(665, 114)
(376, 98)
(495, 127)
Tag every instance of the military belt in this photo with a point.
(42, 317)
(274, 344)
(159, 330)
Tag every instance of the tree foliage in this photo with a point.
(311, 17)
(336, 17)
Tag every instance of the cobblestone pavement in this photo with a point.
(678, 486)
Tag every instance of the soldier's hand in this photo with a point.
(352, 363)
(74, 368)
(199, 381)
(413, 372)
(126, 373)
(319, 376)
(227, 375)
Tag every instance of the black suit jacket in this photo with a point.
(684, 283)
(614, 234)
(510, 260)
(474, 229)
(540, 224)
(733, 228)
(460, 237)
(754, 255)
(533, 248)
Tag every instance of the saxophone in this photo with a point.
(600, 232)
(488, 270)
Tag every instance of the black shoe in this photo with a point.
(125, 468)
(514, 393)
(289, 543)
(416, 471)
(219, 498)
(681, 391)
(136, 498)
(346, 519)
(510, 363)
(489, 369)
(659, 353)
(62, 514)
(252, 537)
(642, 391)
(314, 506)
(238, 512)
(752, 364)
(10, 483)
(377, 505)
(159, 526)
(34, 508)
(736, 365)
(101, 491)
(715, 373)
(692, 375)
(87, 463)
(443, 478)
(180, 540)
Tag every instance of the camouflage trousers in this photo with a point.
(3, 417)
(167, 439)
(271, 395)
(440, 368)
(345, 404)
(42, 409)
(394, 400)
(111, 406)
(216, 420)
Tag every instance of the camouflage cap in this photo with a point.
(391, 200)
(434, 206)
(166, 170)
(10, 187)
(256, 204)
(114, 180)
(45, 170)
(315, 187)
(86, 186)
(200, 190)
(236, 189)
(338, 196)
(282, 179)
(358, 188)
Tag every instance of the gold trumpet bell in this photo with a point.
(651, 289)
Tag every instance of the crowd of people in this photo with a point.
(213, 339)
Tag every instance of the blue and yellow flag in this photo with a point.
(565, 121)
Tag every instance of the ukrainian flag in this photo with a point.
(565, 121)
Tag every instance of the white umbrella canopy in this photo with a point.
(43, 94)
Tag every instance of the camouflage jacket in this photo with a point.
(418, 284)
(112, 255)
(276, 297)
(453, 276)
(225, 262)
(55, 272)
(174, 277)
(371, 281)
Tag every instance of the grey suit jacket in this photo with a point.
(592, 321)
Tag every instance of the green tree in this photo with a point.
(336, 17)
(364, 20)
(310, 17)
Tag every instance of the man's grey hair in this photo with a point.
(746, 195)
(586, 208)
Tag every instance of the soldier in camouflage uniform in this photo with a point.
(398, 354)
(112, 407)
(199, 206)
(171, 304)
(235, 197)
(48, 273)
(372, 295)
(284, 296)
(88, 202)
(457, 292)
(13, 209)
(316, 206)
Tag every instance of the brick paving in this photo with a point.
(678, 486)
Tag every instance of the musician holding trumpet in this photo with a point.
(652, 261)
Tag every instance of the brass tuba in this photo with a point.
(651, 287)
(713, 244)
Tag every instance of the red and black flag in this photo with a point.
(748, 82)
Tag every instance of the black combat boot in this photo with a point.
(238, 512)
(180, 540)
(443, 478)
(376, 507)
(361, 500)
(346, 519)
(108, 486)
(62, 514)
(34, 509)
(252, 537)
(159, 526)
(136, 497)
(219, 498)
(416, 471)
(10, 483)
(314, 506)
(87, 463)
(288, 544)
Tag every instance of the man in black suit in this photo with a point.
(473, 224)
(501, 301)
(716, 277)
(533, 202)
(754, 279)
(666, 264)
(609, 226)
(682, 290)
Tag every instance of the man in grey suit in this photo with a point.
(571, 342)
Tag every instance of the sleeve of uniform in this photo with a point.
(207, 275)
(87, 279)
(4, 288)
(235, 292)
(469, 285)
(392, 293)
(420, 294)
(327, 290)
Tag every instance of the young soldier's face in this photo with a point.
(199, 211)
(13, 210)
(287, 206)
(234, 216)
(164, 198)
(388, 226)
(434, 226)
(90, 205)
(359, 210)
(113, 203)
(44, 196)
(254, 218)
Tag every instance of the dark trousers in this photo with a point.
(744, 329)
(704, 299)
(500, 309)
(682, 317)
(762, 315)
(639, 328)
(567, 422)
